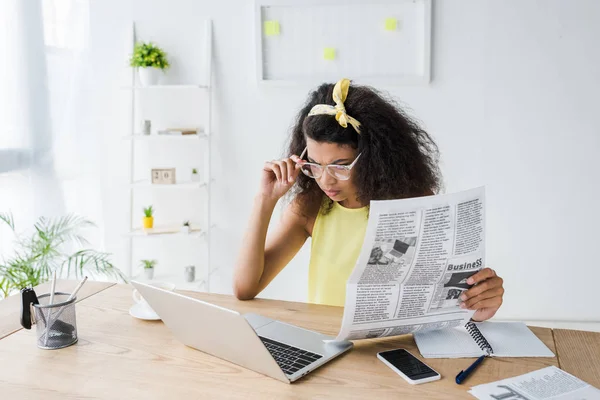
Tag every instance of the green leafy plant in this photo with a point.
(186, 223)
(148, 263)
(194, 171)
(148, 55)
(50, 247)
(148, 211)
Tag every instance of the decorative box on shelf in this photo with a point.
(163, 176)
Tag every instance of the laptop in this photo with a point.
(282, 351)
(398, 250)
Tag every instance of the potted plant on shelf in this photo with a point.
(149, 268)
(150, 60)
(195, 175)
(148, 219)
(186, 228)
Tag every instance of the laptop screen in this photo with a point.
(400, 246)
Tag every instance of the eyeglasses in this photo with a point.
(314, 170)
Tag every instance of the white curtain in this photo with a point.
(48, 166)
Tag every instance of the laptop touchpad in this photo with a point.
(293, 335)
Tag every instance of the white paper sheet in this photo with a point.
(547, 383)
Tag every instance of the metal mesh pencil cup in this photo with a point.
(56, 326)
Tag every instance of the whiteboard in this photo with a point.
(312, 41)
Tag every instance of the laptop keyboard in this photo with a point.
(396, 253)
(290, 359)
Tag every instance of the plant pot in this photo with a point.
(149, 76)
(148, 222)
(186, 229)
(149, 272)
(195, 178)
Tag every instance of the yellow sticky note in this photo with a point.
(391, 24)
(271, 28)
(329, 53)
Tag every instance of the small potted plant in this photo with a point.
(195, 175)
(149, 268)
(148, 219)
(150, 60)
(186, 228)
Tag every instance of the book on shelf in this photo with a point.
(178, 131)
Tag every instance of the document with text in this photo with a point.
(547, 383)
(416, 257)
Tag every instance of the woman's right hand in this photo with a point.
(278, 176)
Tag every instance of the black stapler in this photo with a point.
(28, 297)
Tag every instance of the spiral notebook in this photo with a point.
(498, 339)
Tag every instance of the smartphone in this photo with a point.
(409, 367)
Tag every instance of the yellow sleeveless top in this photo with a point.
(337, 238)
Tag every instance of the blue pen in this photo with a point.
(462, 375)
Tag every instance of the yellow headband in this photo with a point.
(340, 91)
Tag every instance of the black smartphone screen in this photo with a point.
(408, 364)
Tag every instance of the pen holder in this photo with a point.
(56, 326)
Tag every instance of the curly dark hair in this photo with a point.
(399, 159)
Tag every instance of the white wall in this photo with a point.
(510, 104)
(541, 149)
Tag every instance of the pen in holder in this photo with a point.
(56, 325)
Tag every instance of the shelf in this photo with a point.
(139, 180)
(168, 230)
(180, 185)
(166, 87)
(139, 136)
(176, 278)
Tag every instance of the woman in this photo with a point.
(349, 146)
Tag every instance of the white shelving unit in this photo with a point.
(191, 138)
(160, 87)
(195, 232)
(203, 272)
(183, 185)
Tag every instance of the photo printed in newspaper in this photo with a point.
(414, 264)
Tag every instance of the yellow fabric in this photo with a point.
(337, 238)
(340, 91)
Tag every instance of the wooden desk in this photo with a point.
(118, 356)
(10, 308)
(579, 354)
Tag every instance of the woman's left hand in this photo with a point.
(485, 297)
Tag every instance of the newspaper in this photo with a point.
(546, 383)
(414, 264)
